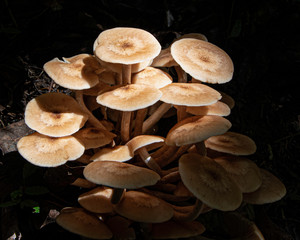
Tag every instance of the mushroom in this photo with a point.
(218, 108)
(120, 153)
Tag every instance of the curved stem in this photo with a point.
(140, 116)
(148, 160)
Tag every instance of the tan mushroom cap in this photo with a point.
(196, 129)
(204, 61)
(164, 59)
(175, 229)
(271, 190)
(119, 174)
(92, 137)
(152, 76)
(78, 72)
(130, 97)
(232, 143)
(193, 35)
(97, 200)
(120, 153)
(227, 99)
(45, 151)
(189, 94)
(54, 114)
(243, 171)
(209, 182)
(143, 207)
(218, 108)
(142, 141)
(97, 89)
(126, 45)
(79, 221)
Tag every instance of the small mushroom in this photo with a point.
(120, 153)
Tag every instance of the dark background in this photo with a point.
(262, 38)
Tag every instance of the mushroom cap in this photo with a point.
(152, 76)
(203, 60)
(142, 141)
(126, 45)
(92, 137)
(45, 151)
(227, 99)
(164, 59)
(76, 73)
(243, 171)
(143, 207)
(193, 35)
(271, 190)
(120, 153)
(77, 220)
(209, 182)
(119, 174)
(54, 114)
(196, 129)
(97, 200)
(218, 108)
(130, 97)
(175, 229)
(232, 143)
(189, 94)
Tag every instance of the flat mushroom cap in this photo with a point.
(126, 45)
(45, 151)
(209, 182)
(119, 174)
(54, 114)
(120, 153)
(76, 73)
(204, 61)
(196, 129)
(232, 143)
(77, 220)
(143, 207)
(174, 229)
(130, 97)
(271, 190)
(218, 108)
(243, 171)
(142, 141)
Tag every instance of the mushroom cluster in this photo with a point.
(131, 172)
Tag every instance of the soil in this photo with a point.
(261, 37)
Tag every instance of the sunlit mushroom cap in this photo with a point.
(143, 207)
(209, 182)
(119, 174)
(218, 108)
(78, 72)
(271, 190)
(196, 129)
(79, 221)
(54, 114)
(243, 171)
(143, 140)
(45, 151)
(120, 153)
(130, 97)
(175, 229)
(126, 45)
(232, 143)
(204, 61)
(152, 76)
(189, 94)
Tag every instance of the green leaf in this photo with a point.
(36, 190)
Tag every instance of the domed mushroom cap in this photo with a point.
(232, 143)
(76, 73)
(271, 190)
(143, 207)
(126, 45)
(45, 151)
(189, 94)
(204, 61)
(130, 97)
(196, 129)
(119, 174)
(77, 220)
(209, 182)
(142, 141)
(218, 108)
(54, 114)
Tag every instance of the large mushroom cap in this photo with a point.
(79, 221)
(143, 207)
(204, 61)
(209, 182)
(119, 174)
(54, 114)
(126, 45)
(130, 97)
(47, 151)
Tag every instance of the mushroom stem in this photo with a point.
(188, 213)
(168, 153)
(126, 74)
(201, 149)
(125, 126)
(140, 116)
(181, 75)
(92, 119)
(181, 113)
(156, 116)
(148, 160)
(116, 195)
